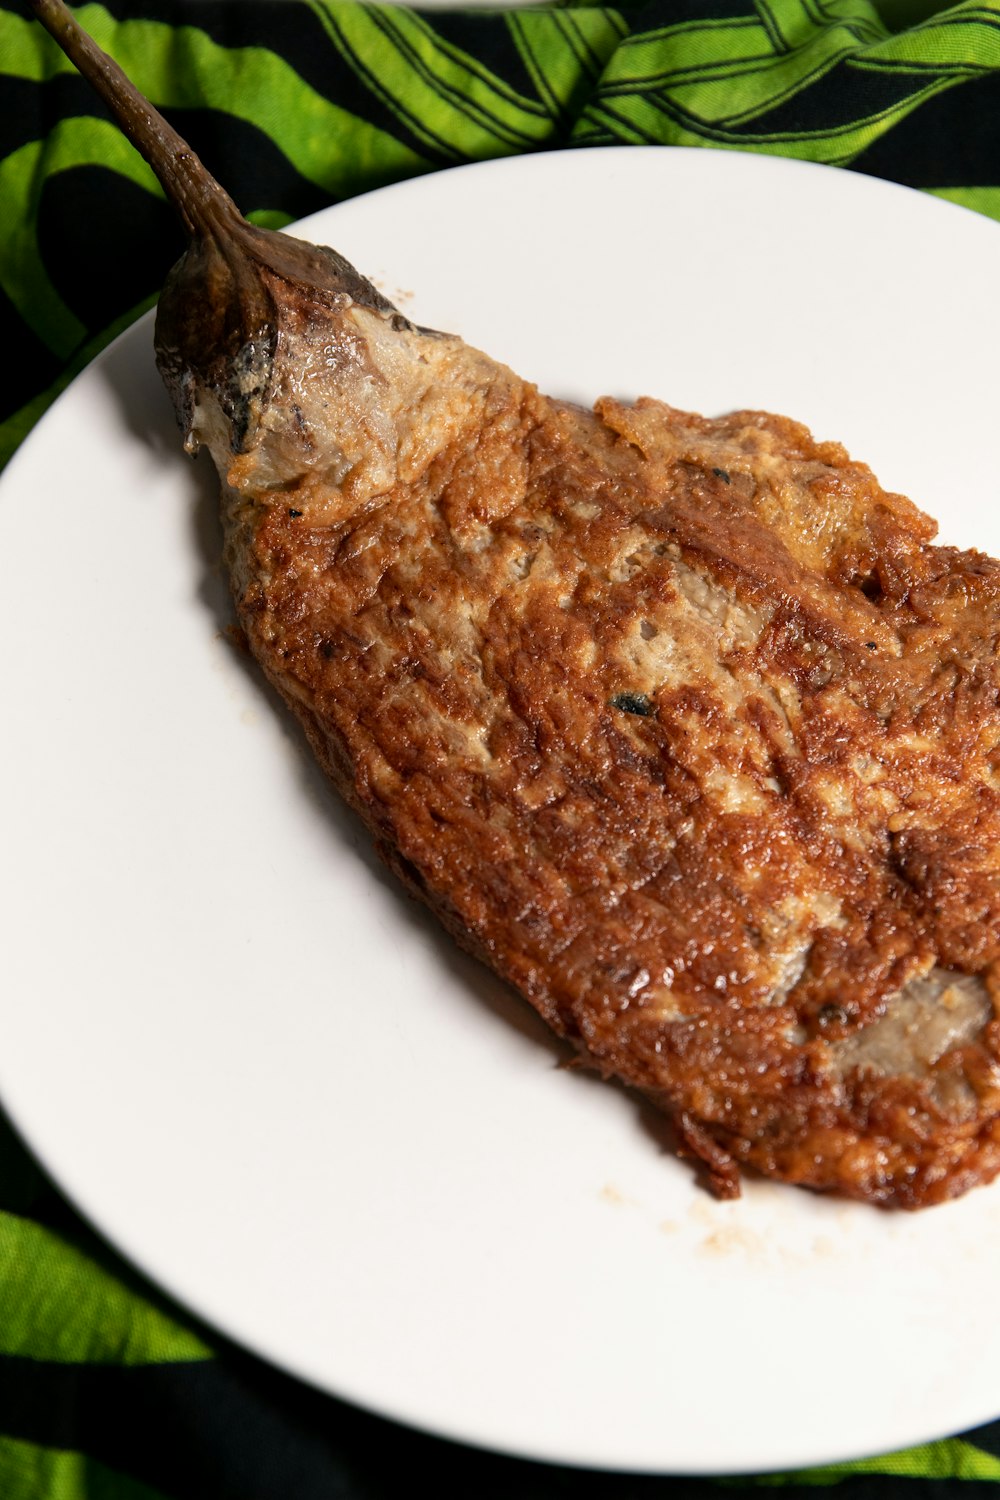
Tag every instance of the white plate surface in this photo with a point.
(263, 1072)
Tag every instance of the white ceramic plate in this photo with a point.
(260, 1068)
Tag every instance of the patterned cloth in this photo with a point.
(106, 1391)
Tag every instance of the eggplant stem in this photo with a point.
(204, 207)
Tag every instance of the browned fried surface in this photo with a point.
(686, 727)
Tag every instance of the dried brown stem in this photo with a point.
(205, 208)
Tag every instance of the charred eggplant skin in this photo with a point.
(216, 320)
(218, 316)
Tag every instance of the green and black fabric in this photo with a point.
(107, 1392)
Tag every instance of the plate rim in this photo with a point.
(143, 1261)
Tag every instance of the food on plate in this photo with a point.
(682, 725)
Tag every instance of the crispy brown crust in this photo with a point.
(684, 727)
